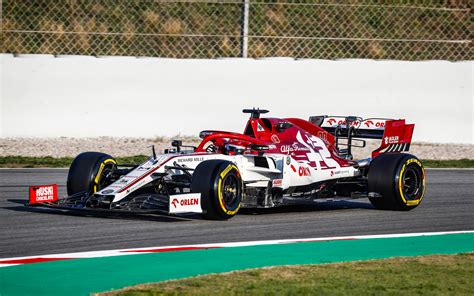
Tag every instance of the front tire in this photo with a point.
(88, 172)
(399, 178)
(220, 185)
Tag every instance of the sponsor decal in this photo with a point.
(343, 172)
(185, 203)
(125, 180)
(259, 127)
(175, 202)
(323, 136)
(304, 172)
(285, 148)
(378, 124)
(190, 159)
(108, 191)
(318, 156)
(295, 147)
(288, 160)
(275, 139)
(293, 168)
(43, 193)
(277, 183)
(336, 121)
(391, 140)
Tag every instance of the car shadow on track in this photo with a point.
(98, 214)
(316, 207)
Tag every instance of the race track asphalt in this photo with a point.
(448, 206)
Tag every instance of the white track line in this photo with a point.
(6, 265)
(125, 252)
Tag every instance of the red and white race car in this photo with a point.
(274, 162)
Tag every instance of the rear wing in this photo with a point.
(395, 133)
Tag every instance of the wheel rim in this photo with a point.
(230, 189)
(412, 182)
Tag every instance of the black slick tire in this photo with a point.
(220, 185)
(88, 171)
(399, 178)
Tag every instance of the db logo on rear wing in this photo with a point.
(43, 193)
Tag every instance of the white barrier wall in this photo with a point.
(43, 96)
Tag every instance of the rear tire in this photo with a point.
(88, 172)
(220, 185)
(399, 178)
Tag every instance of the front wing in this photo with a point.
(143, 203)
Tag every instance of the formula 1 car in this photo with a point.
(275, 162)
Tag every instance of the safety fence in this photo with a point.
(323, 29)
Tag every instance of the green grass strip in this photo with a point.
(453, 163)
(423, 275)
(64, 162)
(84, 276)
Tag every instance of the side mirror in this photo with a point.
(177, 144)
(259, 147)
(281, 126)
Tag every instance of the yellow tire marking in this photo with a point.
(400, 185)
(227, 170)
(231, 213)
(416, 201)
(101, 168)
(219, 192)
(413, 202)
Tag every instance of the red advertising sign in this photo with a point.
(43, 193)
